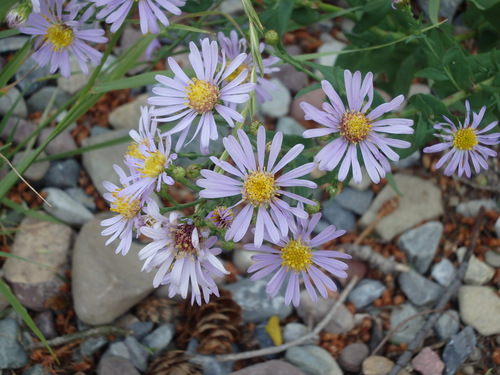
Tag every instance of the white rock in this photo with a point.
(479, 307)
(497, 227)
(478, 272)
(332, 45)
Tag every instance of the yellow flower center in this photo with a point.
(154, 164)
(354, 127)
(202, 96)
(123, 206)
(296, 255)
(259, 188)
(133, 151)
(465, 139)
(237, 72)
(60, 35)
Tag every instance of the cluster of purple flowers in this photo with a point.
(182, 253)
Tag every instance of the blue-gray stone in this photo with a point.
(408, 162)
(420, 244)
(79, 195)
(335, 214)
(492, 258)
(256, 304)
(293, 331)
(40, 100)
(132, 350)
(407, 332)
(210, 365)
(160, 337)
(471, 208)
(313, 360)
(98, 130)
(62, 174)
(141, 329)
(447, 325)
(32, 81)
(458, 349)
(115, 365)
(444, 272)
(264, 339)
(92, 345)
(65, 208)
(321, 226)
(13, 43)
(290, 126)
(37, 369)
(419, 290)
(11, 98)
(192, 345)
(366, 292)
(354, 200)
(12, 354)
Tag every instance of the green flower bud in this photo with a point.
(18, 14)
(272, 38)
(227, 245)
(254, 127)
(311, 210)
(193, 171)
(333, 189)
(178, 173)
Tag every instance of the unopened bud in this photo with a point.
(334, 189)
(18, 14)
(313, 209)
(227, 245)
(178, 173)
(193, 171)
(272, 38)
(254, 127)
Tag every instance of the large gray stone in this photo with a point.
(420, 244)
(421, 201)
(40, 100)
(419, 290)
(65, 208)
(105, 285)
(29, 74)
(313, 360)
(7, 102)
(12, 354)
(335, 214)
(479, 307)
(127, 115)
(354, 200)
(98, 170)
(407, 331)
(273, 367)
(256, 304)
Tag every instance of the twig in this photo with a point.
(452, 289)
(97, 331)
(310, 335)
(21, 177)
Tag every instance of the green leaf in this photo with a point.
(429, 105)
(277, 16)
(374, 12)
(13, 66)
(9, 32)
(432, 73)
(434, 10)
(29, 212)
(139, 80)
(12, 256)
(307, 89)
(178, 26)
(485, 4)
(194, 6)
(390, 179)
(11, 298)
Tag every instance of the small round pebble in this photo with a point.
(352, 356)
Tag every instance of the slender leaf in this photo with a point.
(29, 212)
(390, 179)
(12, 256)
(434, 10)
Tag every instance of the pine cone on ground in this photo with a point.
(215, 325)
(173, 362)
(158, 310)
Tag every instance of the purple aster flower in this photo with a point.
(466, 143)
(357, 129)
(185, 99)
(259, 187)
(128, 210)
(149, 157)
(182, 258)
(57, 33)
(150, 12)
(233, 47)
(298, 258)
(221, 217)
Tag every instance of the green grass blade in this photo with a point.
(12, 256)
(11, 298)
(13, 66)
(29, 212)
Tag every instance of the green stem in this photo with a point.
(164, 210)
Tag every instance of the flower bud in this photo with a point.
(18, 14)
(178, 173)
(272, 38)
(311, 210)
(193, 171)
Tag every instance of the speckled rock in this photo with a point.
(115, 365)
(105, 285)
(421, 201)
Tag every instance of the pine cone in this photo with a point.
(156, 309)
(214, 325)
(173, 362)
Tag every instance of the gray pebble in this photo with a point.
(160, 337)
(458, 349)
(132, 350)
(492, 258)
(40, 100)
(116, 365)
(444, 272)
(92, 345)
(8, 100)
(65, 208)
(335, 214)
(406, 332)
(141, 329)
(62, 174)
(13, 43)
(471, 208)
(419, 290)
(447, 325)
(294, 331)
(45, 323)
(313, 360)
(290, 126)
(355, 200)
(366, 292)
(31, 82)
(79, 195)
(352, 356)
(37, 369)
(211, 366)
(12, 354)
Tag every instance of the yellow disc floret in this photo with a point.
(202, 96)
(124, 206)
(237, 72)
(154, 164)
(60, 35)
(354, 127)
(259, 188)
(465, 139)
(296, 255)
